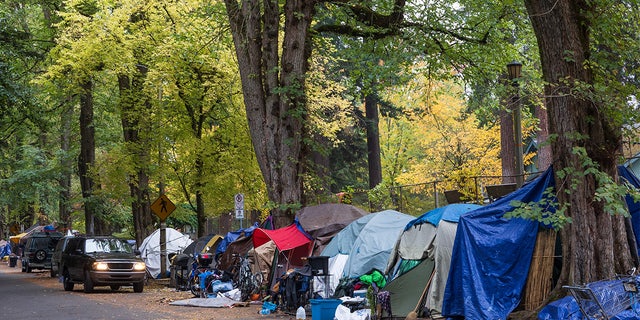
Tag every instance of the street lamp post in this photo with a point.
(514, 68)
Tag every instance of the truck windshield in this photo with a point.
(106, 245)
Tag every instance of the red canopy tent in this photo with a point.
(292, 244)
(291, 238)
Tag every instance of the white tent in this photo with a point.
(150, 248)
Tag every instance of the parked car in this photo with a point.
(38, 249)
(57, 255)
(100, 261)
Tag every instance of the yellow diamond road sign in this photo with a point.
(163, 207)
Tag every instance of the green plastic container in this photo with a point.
(324, 309)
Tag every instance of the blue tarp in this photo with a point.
(5, 250)
(634, 207)
(451, 213)
(491, 257)
(233, 236)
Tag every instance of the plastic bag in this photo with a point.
(343, 313)
(234, 294)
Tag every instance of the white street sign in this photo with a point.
(239, 202)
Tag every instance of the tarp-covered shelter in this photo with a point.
(323, 221)
(367, 242)
(634, 207)
(287, 246)
(176, 242)
(5, 248)
(232, 236)
(421, 258)
(492, 255)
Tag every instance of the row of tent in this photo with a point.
(470, 260)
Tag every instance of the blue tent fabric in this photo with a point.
(451, 213)
(634, 207)
(491, 257)
(454, 211)
(233, 236)
(5, 250)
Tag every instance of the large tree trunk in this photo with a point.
(507, 145)
(66, 163)
(87, 155)
(274, 92)
(373, 141)
(595, 243)
(130, 92)
(545, 156)
(197, 113)
(200, 214)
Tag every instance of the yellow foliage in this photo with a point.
(442, 140)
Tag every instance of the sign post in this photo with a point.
(239, 205)
(163, 207)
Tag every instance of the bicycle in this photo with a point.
(244, 279)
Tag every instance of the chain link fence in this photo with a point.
(417, 199)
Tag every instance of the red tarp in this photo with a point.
(286, 238)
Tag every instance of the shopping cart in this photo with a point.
(606, 298)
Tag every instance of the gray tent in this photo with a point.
(421, 259)
(366, 242)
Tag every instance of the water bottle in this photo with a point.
(301, 314)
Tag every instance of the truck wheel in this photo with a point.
(138, 286)
(88, 283)
(66, 282)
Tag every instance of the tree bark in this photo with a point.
(200, 214)
(130, 91)
(545, 156)
(594, 244)
(274, 92)
(87, 155)
(197, 113)
(373, 141)
(507, 144)
(66, 163)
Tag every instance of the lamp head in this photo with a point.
(514, 68)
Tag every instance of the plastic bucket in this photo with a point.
(13, 260)
(324, 309)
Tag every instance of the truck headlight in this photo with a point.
(139, 266)
(100, 266)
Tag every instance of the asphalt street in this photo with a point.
(22, 299)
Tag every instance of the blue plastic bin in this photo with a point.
(324, 309)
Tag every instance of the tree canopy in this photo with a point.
(107, 104)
